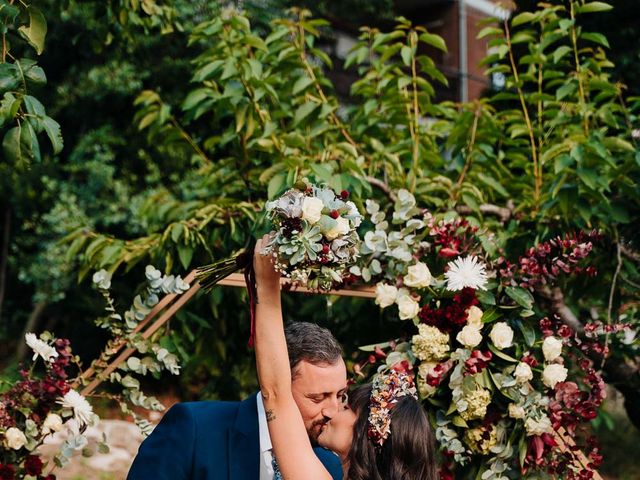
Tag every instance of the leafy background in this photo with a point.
(179, 119)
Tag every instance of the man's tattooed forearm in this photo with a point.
(270, 415)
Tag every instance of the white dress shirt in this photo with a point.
(266, 455)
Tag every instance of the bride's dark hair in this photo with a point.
(407, 454)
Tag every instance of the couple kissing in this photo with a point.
(304, 424)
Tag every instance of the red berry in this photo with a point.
(334, 214)
(344, 194)
(325, 249)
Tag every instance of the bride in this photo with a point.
(382, 434)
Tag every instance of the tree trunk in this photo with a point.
(4, 254)
(31, 326)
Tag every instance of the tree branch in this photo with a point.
(629, 253)
(504, 213)
(559, 307)
(382, 186)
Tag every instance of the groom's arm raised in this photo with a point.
(292, 448)
(167, 454)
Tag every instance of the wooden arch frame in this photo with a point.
(171, 303)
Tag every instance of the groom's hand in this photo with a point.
(267, 277)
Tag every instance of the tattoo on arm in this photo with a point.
(270, 415)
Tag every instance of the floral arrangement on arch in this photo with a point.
(498, 375)
(47, 397)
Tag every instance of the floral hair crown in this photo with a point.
(387, 390)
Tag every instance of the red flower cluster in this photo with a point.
(454, 238)
(451, 316)
(544, 263)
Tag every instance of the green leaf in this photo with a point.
(36, 32)
(528, 332)
(486, 31)
(596, 38)
(493, 183)
(276, 184)
(9, 77)
(52, 128)
(301, 84)
(501, 354)
(594, 7)
(406, 53)
(304, 111)
(20, 144)
(434, 40)
(560, 52)
(524, 17)
(185, 253)
(521, 296)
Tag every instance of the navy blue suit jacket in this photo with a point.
(209, 441)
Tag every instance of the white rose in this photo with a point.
(501, 335)
(340, 228)
(553, 374)
(418, 276)
(551, 348)
(537, 427)
(312, 209)
(386, 295)
(474, 316)
(523, 373)
(516, 411)
(14, 438)
(469, 336)
(407, 306)
(53, 423)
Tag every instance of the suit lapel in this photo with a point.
(244, 442)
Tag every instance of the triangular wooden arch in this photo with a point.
(171, 303)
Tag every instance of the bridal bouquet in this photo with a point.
(314, 239)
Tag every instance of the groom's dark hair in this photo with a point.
(311, 343)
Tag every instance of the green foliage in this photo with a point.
(22, 116)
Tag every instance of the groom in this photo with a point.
(230, 440)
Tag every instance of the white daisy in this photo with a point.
(46, 351)
(82, 410)
(466, 272)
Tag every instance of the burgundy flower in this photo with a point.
(7, 472)
(33, 465)
(477, 362)
(451, 316)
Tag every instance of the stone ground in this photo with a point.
(124, 438)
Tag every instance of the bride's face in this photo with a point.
(337, 434)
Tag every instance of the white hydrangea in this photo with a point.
(537, 427)
(430, 344)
